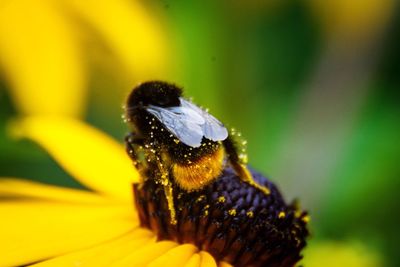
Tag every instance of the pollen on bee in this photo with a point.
(201, 198)
(232, 212)
(281, 215)
(193, 175)
(205, 210)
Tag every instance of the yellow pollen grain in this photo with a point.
(205, 212)
(201, 198)
(281, 215)
(306, 219)
(250, 214)
(232, 212)
(221, 199)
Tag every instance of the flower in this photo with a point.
(52, 226)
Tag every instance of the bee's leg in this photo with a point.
(170, 201)
(133, 145)
(164, 179)
(238, 163)
(132, 142)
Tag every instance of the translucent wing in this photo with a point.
(213, 129)
(183, 122)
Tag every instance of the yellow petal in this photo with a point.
(36, 230)
(207, 260)
(194, 261)
(11, 187)
(89, 155)
(146, 254)
(40, 56)
(177, 256)
(104, 254)
(130, 32)
(224, 264)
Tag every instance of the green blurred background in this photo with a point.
(312, 85)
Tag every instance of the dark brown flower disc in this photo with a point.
(230, 219)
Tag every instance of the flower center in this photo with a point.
(230, 219)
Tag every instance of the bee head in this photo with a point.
(155, 93)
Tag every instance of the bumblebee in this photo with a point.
(178, 143)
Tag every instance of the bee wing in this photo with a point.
(182, 122)
(213, 129)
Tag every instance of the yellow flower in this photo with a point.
(46, 225)
(53, 226)
(44, 49)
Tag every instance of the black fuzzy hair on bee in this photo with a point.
(156, 93)
(173, 141)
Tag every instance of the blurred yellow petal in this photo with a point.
(40, 56)
(333, 254)
(224, 264)
(177, 256)
(12, 187)
(207, 260)
(353, 18)
(146, 254)
(103, 254)
(129, 30)
(32, 231)
(89, 155)
(194, 261)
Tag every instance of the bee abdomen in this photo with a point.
(195, 175)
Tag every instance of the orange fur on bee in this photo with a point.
(198, 174)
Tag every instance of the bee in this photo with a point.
(178, 143)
